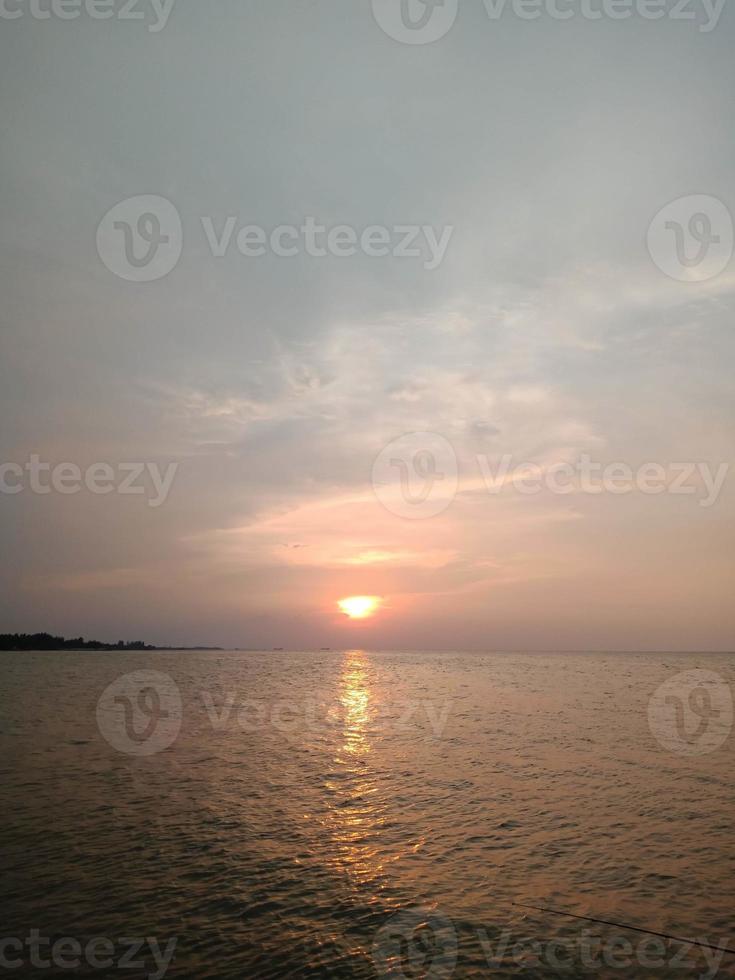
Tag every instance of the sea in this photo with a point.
(276, 814)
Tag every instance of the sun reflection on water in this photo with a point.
(356, 812)
(355, 700)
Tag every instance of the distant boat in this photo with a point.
(278, 649)
(325, 649)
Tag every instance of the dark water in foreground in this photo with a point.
(308, 803)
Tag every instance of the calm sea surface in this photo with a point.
(352, 814)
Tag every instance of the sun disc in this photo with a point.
(359, 606)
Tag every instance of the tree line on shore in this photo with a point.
(44, 641)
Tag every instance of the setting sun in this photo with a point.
(359, 606)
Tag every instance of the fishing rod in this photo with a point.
(621, 925)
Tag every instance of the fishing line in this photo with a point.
(620, 925)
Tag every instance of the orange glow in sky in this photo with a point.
(359, 606)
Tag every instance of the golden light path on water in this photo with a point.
(357, 811)
(355, 699)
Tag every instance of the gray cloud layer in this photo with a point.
(547, 330)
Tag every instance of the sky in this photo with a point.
(335, 424)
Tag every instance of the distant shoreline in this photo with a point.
(46, 643)
(129, 649)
